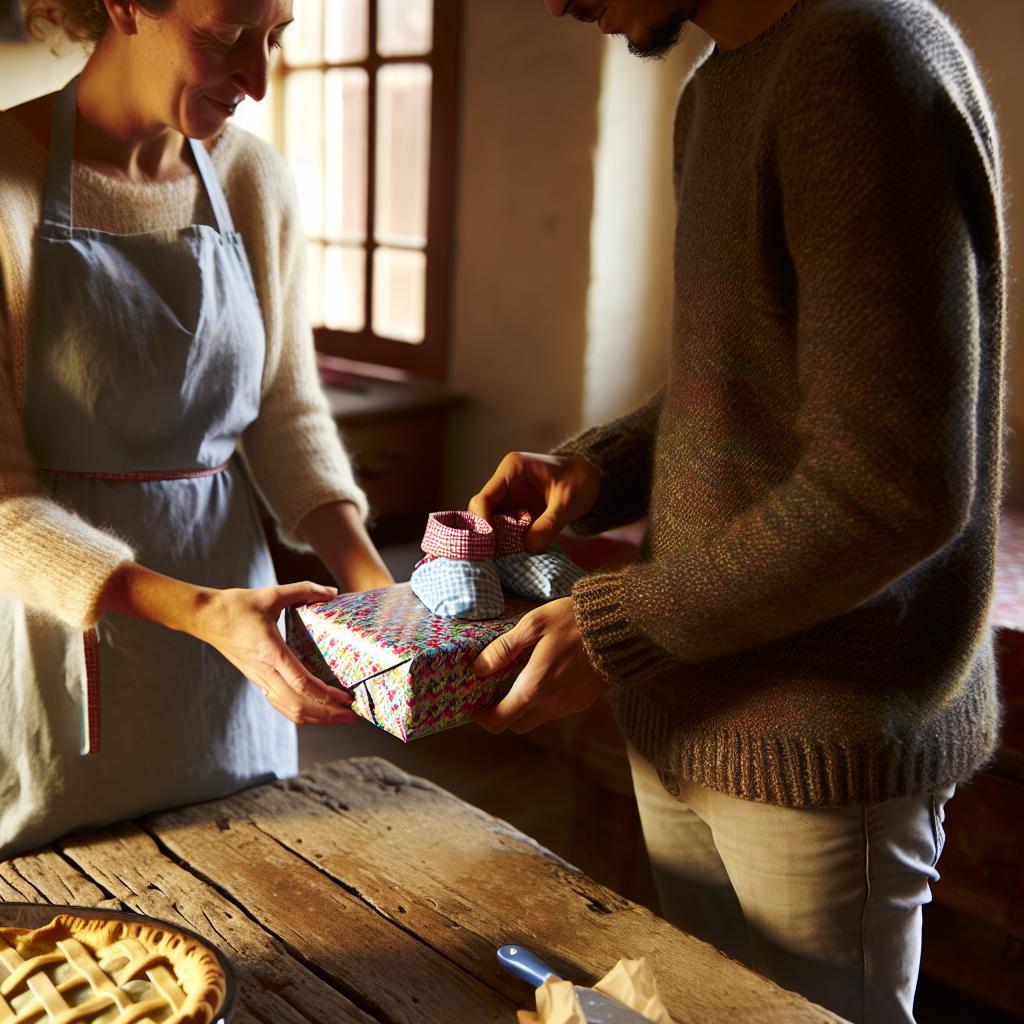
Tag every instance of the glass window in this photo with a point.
(353, 107)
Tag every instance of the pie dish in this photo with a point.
(108, 969)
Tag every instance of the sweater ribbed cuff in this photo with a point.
(619, 651)
(54, 561)
(625, 478)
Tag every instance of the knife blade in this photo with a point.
(597, 1007)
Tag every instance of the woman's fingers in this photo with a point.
(489, 498)
(283, 698)
(304, 684)
(291, 594)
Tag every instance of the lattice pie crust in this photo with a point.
(82, 971)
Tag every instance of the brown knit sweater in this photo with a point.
(808, 622)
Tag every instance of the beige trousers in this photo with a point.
(824, 901)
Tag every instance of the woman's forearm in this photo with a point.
(141, 593)
(337, 534)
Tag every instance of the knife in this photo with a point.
(597, 1007)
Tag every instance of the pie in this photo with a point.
(78, 970)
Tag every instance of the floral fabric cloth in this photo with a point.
(410, 672)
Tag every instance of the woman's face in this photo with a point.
(197, 61)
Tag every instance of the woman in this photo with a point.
(156, 366)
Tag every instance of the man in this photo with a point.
(800, 661)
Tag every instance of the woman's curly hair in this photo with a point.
(83, 21)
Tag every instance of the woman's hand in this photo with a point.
(555, 489)
(242, 625)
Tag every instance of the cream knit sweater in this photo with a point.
(50, 558)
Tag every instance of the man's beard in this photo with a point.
(659, 41)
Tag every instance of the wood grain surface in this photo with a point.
(358, 893)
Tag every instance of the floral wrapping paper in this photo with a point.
(410, 672)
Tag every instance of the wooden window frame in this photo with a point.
(429, 357)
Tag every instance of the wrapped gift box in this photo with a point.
(410, 672)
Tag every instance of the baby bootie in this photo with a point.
(457, 577)
(510, 532)
(459, 536)
(458, 589)
(539, 577)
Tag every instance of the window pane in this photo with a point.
(304, 144)
(345, 132)
(346, 30)
(315, 283)
(345, 284)
(405, 27)
(403, 154)
(399, 294)
(302, 42)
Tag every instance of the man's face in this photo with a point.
(651, 27)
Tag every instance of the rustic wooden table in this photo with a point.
(359, 893)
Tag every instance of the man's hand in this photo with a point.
(558, 680)
(555, 489)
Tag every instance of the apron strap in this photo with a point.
(58, 194)
(214, 192)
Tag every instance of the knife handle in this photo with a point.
(525, 965)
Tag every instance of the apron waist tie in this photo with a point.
(91, 693)
(92, 735)
(137, 476)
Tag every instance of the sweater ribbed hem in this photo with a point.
(613, 645)
(787, 769)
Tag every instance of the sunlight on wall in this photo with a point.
(629, 307)
(30, 70)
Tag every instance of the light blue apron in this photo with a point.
(144, 367)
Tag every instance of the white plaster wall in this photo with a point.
(525, 180)
(629, 308)
(29, 69)
(994, 29)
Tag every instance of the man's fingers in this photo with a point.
(531, 720)
(543, 531)
(493, 493)
(513, 706)
(500, 653)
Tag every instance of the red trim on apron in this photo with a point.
(91, 696)
(139, 476)
(91, 641)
